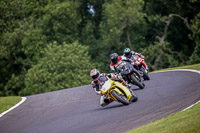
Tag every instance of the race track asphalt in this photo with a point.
(77, 110)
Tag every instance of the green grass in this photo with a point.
(182, 122)
(195, 67)
(187, 121)
(8, 102)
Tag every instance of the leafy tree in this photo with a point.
(26, 33)
(21, 49)
(10, 15)
(196, 37)
(160, 55)
(172, 23)
(166, 32)
(60, 21)
(120, 27)
(63, 66)
(119, 18)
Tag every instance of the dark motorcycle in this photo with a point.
(130, 74)
(139, 64)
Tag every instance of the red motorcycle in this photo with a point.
(141, 66)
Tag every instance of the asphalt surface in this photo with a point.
(77, 110)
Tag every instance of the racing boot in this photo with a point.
(105, 100)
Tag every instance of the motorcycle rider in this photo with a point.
(129, 56)
(128, 53)
(116, 61)
(99, 80)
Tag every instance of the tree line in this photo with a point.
(49, 45)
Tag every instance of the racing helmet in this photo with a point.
(127, 52)
(94, 73)
(114, 58)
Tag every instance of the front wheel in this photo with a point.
(137, 80)
(120, 98)
(145, 74)
(135, 97)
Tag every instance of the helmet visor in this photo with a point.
(95, 76)
(114, 61)
(128, 54)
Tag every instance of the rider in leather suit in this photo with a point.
(99, 80)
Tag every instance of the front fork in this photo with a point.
(136, 67)
(137, 72)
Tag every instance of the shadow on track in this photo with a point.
(136, 89)
(110, 107)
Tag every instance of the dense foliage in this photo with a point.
(60, 68)
(52, 44)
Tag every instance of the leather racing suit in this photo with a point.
(97, 85)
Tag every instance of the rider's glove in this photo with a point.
(130, 60)
(99, 93)
(133, 63)
(142, 56)
(123, 82)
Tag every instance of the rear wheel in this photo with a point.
(120, 98)
(137, 80)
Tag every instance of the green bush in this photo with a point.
(63, 66)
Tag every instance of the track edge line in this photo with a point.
(190, 70)
(15, 106)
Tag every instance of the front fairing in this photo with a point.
(134, 58)
(111, 85)
(123, 89)
(125, 68)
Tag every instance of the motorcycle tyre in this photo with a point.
(140, 84)
(119, 98)
(135, 97)
(145, 75)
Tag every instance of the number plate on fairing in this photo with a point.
(106, 86)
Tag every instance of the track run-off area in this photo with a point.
(77, 110)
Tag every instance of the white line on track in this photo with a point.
(23, 100)
(191, 106)
(190, 70)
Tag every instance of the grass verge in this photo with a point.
(194, 67)
(187, 121)
(8, 102)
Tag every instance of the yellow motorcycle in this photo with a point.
(118, 92)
